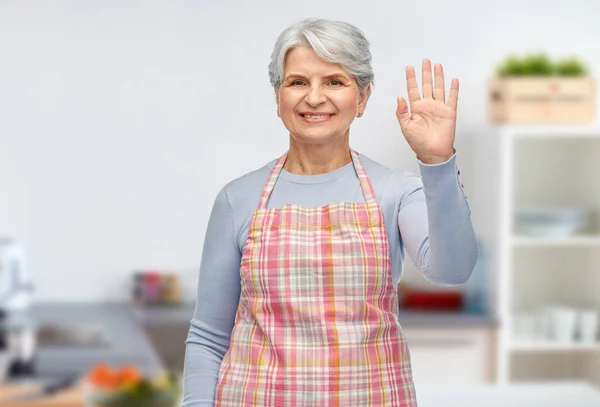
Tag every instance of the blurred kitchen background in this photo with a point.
(122, 120)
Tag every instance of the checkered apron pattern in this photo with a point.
(317, 321)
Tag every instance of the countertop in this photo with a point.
(127, 341)
(182, 314)
(123, 326)
(448, 319)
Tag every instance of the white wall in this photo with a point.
(120, 121)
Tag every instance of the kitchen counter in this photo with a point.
(123, 337)
(164, 315)
(181, 314)
(123, 326)
(448, 319)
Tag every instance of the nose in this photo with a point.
(314, 96)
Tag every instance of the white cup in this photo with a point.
(587, 325)
(562, 323)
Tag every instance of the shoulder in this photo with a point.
(246, 189)
(239, 197)
(386, 180)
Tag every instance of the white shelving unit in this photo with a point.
(549, 166)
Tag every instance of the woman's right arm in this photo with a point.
(216, 305)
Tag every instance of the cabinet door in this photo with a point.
(450, 356)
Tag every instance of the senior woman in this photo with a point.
(297, 302)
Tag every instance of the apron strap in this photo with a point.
(365, 183)
(270, 184)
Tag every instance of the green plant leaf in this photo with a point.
(572, 66)
(540, 64)
(537, 65)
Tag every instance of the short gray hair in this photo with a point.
(333, 41)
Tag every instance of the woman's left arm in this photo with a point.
(434, 219)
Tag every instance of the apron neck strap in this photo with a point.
(365, 183)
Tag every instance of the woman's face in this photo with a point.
(317, 100)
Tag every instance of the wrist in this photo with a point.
(434, 159)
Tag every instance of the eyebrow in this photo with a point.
(333, 75)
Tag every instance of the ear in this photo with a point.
(363, 96)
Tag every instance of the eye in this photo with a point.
(335, 82)
(297, 82)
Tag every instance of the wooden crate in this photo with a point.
(542, 100)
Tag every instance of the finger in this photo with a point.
(439, 92)
(426, 78)
(411, 84)
(453, 97)
(402, 111)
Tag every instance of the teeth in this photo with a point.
(316, 117)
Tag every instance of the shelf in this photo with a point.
(546, 346)
(546, 166)
(584, 240)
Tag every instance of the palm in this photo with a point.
(430, 124)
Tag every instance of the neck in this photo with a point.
(314, 159)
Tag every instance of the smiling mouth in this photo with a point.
(316, 117)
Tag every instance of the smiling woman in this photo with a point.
(297, 301)
(322, 76)
(317, 101)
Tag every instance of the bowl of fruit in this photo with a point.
(126, 386)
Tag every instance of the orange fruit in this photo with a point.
(128, 375)
(103, 376)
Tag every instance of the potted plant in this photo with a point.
(106, 386)
(571, 67)
(538, 89)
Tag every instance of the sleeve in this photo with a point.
(216, 305)
(435, 224)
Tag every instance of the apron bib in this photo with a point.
(317, 321)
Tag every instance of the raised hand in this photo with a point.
(429, 125)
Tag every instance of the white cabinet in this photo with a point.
(450, 355)
(537, 166)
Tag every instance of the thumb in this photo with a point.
(402, 112)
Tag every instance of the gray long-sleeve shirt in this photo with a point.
(427, 216)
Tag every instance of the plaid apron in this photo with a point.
(317, 321)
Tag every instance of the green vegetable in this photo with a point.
(144, 394)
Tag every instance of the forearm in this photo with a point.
(436, 226)
(453, 248)
(204, 353)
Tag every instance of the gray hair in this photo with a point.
(333, 41)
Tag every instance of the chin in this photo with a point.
(316, 138)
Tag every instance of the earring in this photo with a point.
(359, 114)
